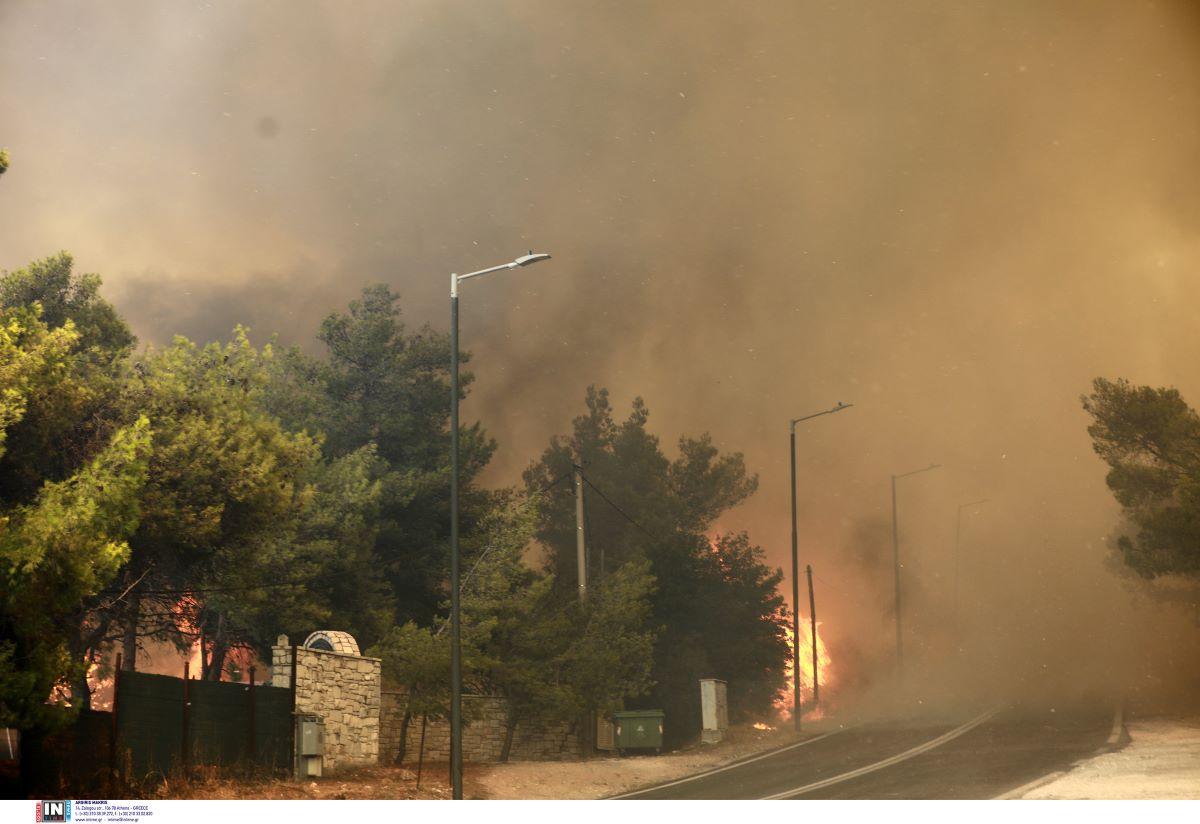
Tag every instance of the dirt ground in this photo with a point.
(1161, 761)
(594, 778)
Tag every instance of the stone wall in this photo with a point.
(483, 733)
(344, 690)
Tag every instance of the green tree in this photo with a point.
(716, 604)
(31, 356)
(382, 386)
(554, 660)
(66, 295)
(55, 554)
(56, 395)
(549, 660)
(227, 488)
(1150, 439)
(243, 528)
(611, 647)
(3, 161)
(417, 659)
(69, 413)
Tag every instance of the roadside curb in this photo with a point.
(1037, 783)
(1119, 736)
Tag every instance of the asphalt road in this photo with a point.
(973, 757)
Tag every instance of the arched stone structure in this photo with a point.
(331, 640)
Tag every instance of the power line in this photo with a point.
(622, 512)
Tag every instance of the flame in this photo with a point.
(101, 688)
(783, 702)
(759, 725)
(181, 616)
(241, 658)
(162, 657)
(824, 670)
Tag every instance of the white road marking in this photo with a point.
(731, 766)
(887, 762)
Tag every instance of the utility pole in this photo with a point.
(812, 613)
(896, 566)
(796, 563)
(795, 595)
(580, 543)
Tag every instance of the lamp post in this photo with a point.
(896, 562)
(455, 646)
(957, 541)
(796, 563)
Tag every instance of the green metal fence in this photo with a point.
(165, 723)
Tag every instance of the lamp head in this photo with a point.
(525, 260)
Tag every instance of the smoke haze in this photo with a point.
(953, 215)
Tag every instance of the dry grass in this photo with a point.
(365, 782)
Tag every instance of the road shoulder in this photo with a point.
(1161, 761)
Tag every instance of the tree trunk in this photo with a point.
(81, 691)
(510, 727)
(129, 642)
(403, 737)
(217, 661)
(218, 649)
(80, 650)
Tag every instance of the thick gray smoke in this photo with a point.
(954, 215)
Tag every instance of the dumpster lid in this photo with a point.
(639, 714)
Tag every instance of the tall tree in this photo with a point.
(380, 385)
(716, 602)
(61, 547)
(57, 410)
(69, 416)
(226, 490)
(550, 660)
(1150, 439)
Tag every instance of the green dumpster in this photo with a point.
(638, 729)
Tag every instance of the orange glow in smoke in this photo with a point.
(824, 670)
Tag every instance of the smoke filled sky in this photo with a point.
(953, 215)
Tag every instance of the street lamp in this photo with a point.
(896, 562)
(455, 647)
(957, 537)
(796, 564)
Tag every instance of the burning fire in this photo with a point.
(824, 672)
(163, 657)
(783, 703)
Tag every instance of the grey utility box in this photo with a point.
(310, 746)
(714, 710)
